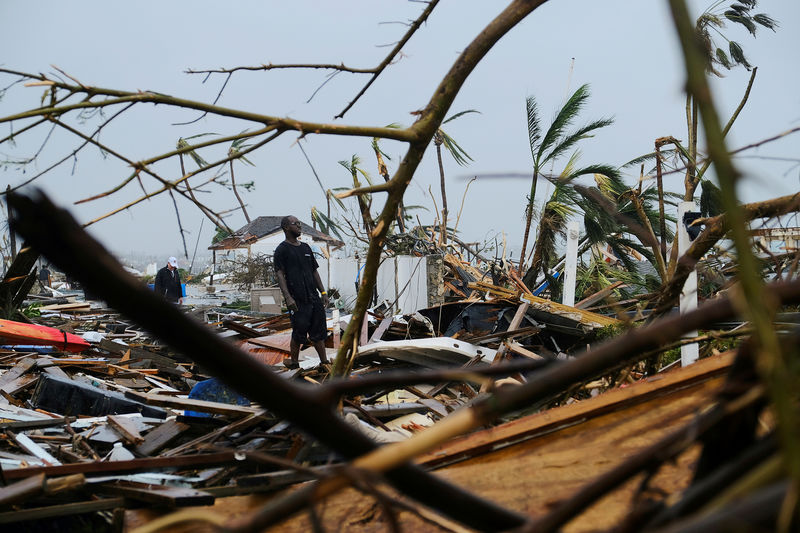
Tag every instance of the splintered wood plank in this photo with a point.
(161, 436)
(158, 494)
(17, 370)
(21, 383)
(126, 428)
(239, 425)
(34, 449)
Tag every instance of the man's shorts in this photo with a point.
(309, 321)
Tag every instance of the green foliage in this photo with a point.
(710, 199)
(254, 271)
(460, 156)
(32, 310)
(237, 146)
(711, 22)
(220, 235)
(326, 225)
(183, 143)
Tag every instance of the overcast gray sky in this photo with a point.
(627, 51)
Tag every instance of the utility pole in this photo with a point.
(688, 301)
(571, 264)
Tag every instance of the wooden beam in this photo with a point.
(52, 511)
(133, 465)
(160, 495)
(160, 437)
(202, 406)
(126, 428)
(598, 296)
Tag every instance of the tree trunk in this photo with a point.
(239, 198)
(528, 219)
(437, 140)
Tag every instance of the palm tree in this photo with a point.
(567, 201)
(461, 157)
(364, 200)
(556, 142)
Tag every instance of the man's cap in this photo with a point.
(172, 262)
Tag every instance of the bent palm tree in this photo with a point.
(566, 201)
(461, 157)
(555, 143)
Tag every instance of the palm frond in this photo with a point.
(567, 142)
(459, 114)
(376, 148)
(737, 54)
(710, 199)
(766, 21)
(330, 193)
(744, 20)
(722, 58)
(636, 161)
(326, 225)
(459, 155)
(365, 174)
(534, 127)
(563, 119)
(198, 160)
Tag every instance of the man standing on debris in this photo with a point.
(299, 281)
(168, 282)
(44, 277)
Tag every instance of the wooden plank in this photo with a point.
(599, 295)
(136, 352)
(239, 425)
(22, 425)
(47, 364)
(499, 357)
(381, 329)
(126, 428)
(518, 349)
(134, 465)
(160, 437)
(32, 448)
(73, 306)
(362, 339)
(160, 495)
(52, 511)
(22, 490)
(19, 384)
(518, 430)
(579, 315)
(279, 479)
(17, 370)
(202, 406)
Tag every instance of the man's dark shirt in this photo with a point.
(298, 265)
(168, 284)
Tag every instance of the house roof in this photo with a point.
(264, 226)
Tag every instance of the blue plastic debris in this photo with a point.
(213, 390)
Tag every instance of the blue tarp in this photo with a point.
(213, 390)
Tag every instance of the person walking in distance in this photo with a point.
(168, 282)
(302, 290)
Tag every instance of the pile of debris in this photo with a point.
(96, 414)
